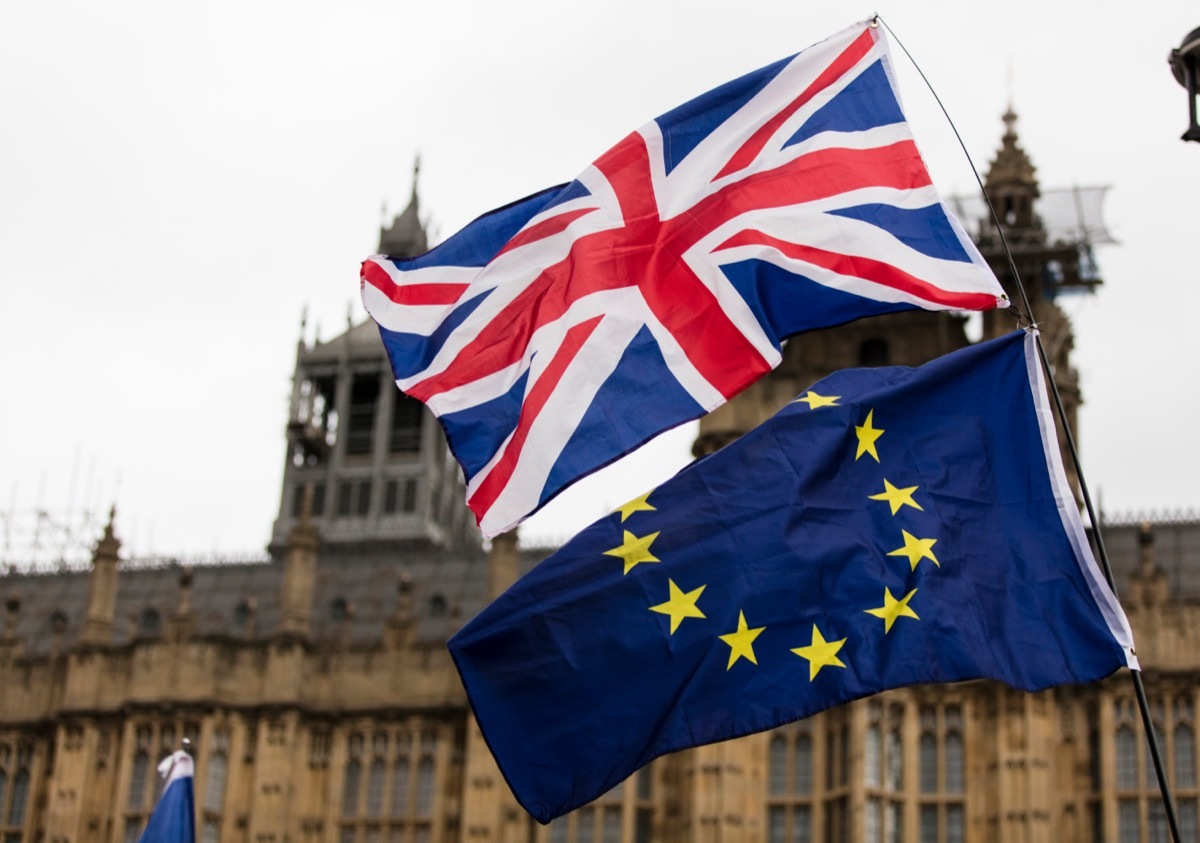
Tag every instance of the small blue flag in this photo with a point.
(174, 817)
(889, 527)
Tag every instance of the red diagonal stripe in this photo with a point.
(491, 486)
(597, 261)
(543, 229)
(754, 145)
(816, 175)
(377, 277)
(869, 269)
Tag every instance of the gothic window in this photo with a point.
(138, 780)
(610, 828)
(318, 748)
(560, 830)
(1128, 822)
(406, 425)
(790, 797)
(953, 746)
(1140, 813)
(352, 780)
(883, 762)
(942, 774)
(19, 800)
(777, 777)
(364, 394)
(644, 783)
(1126, 759)
(928, 751)
(1184, 749)
(297, 501)
(400, 800)
(424, 800)
(390, 787)
(874, 755)
(895, 755)
(377, 775)
(585, 827)
(216, 772)
(873, 820)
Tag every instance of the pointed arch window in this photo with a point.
(138, 780)
(20, 797)
(1140, 814)
(377, 775)
(216, 773)
(424, 801)
(352, 776)
(883, 773)
(778, 763)
(942, 774)
(790, 798)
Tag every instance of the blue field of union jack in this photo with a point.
(558, 333)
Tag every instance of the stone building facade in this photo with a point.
(316, 690)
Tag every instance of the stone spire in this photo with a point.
(102, 587)
(1011, 181)
(405, 238)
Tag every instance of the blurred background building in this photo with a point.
(315, 686)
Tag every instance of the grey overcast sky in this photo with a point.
(179, 181)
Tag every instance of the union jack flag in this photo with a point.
(558, 333)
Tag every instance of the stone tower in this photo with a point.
(1047, 269)
(375, 460)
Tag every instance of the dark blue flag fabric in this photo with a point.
(889, 527)
(174, 817)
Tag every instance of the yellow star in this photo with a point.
(634, 550)
(741, 643)
(820, 653)
(916, 549)
(813, 400)
(897, 498)
(635, 505)
(867, 433)
(893, 608)
(681, 605)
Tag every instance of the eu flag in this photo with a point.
(174, 817)
(889, 527)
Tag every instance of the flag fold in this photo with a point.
(674, 266)
(889, 527)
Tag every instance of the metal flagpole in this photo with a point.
(1136, 675)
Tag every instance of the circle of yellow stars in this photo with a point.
(820, 653)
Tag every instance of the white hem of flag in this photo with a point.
(1106, 599)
